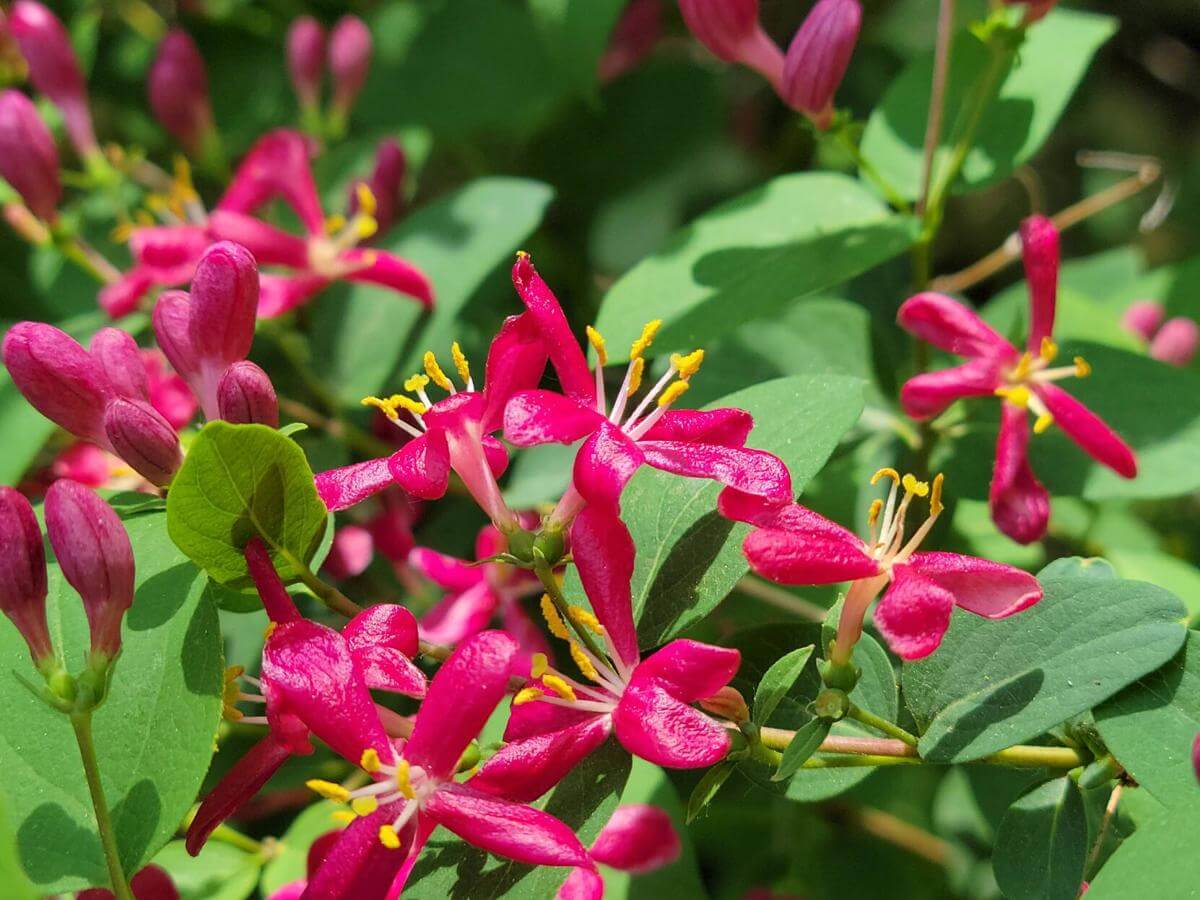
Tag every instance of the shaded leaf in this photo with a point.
(808, 738)
(778, 680)
(1042, 842)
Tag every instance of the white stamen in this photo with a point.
(646, 401)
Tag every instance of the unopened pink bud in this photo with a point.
(386, 184)
(245, 396)
(818, 57)
(96, 558)
(178, 88)
(349, 60)
(54, 69)
(633, 38)
(722, 26)
(23, 573)
(58, 378)
(172, 331)
(728, 703)
(1176, 342)
(1143, 318)
(28, 157)
(351, 552)
(143, 438)
(224, 304)
(306, 59)
(1036, 9)
(119, 356)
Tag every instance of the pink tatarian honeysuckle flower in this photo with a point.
(731, 30)
(638, 838)
(306, 59)
(178, 87)
(163, 256)
(28, 157)
(413, 789)
(634, 37)
(818, 57)
(794, 545)
(1024, 381)
(23, 585)
(557, 720)
(1034, 9)
(314, 681)
(452, 434)
(632, 433)
(349, 61)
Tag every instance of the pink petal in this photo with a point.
(691, 670)
(913, 614)
(790, 557)
(604, 465)
(121, 297)
(276, 601)
(352, 484)
(604, 555)
(1176, 342)
(118, 356)
(380, 267)
(524, 770)
(224, 304)
(653, 724)
(422, 466)
(534, 719)
(569, 363)
(581, 884)
(167, 254)
(951, 326)
(726, 427)
(458, 616)
(1089, 431)
(928, 394)
(495, 453)
(383, 641)
(638, 838)
(511, 830)
(279, 294)
(749, 471)
(544, 417)
(358, 866)
(764, 513)
(1020, 505)
(351, 552)
(387, 669)
(277, 166)
(271, 246)
(524, 630)
(445, 571)
(986, 588)
(461, 697)
(490, 541)
(1039, 245)
(515, 362)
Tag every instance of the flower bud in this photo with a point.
(96, 558)
(349, 60)
(223, 305)
(172, 331)
(28, 157)
(352, 550)
(1035, 9)
(1176, 342)
(386, 184)
(1143, 318)
(728, 703)
(730, 29)
(143, 438)
(633, 38)
(119, 357)
(306, 59)
(245, 396)
(23, 573)
(818, 57)
(178, 88)
(58, 378)
(1196, 756)
(54, 70)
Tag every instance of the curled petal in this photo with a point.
(279, 294)
(604, 465)
(986, 588)
(271, 246)
(422, 466)
(388, 270)
(515, 362)
(277, 166)
(357, 866)
(928, 394)
(458, 616)
(384, 625)
(788, 557)
(725, 427)
(167, 254)
(951, 326)
(121, 297)
(604, 555)
(749, 471)
(691, 670)
(914, 613)
(1020, 505)
(566, 357)
(524, 770)
(544, 417)
(638, 838)
(1039, 245)
(445, 571)
(764, 513)
(1089, 431)
(352, 484)
(652, 723)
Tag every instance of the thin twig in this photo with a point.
(937, 99)
(1110, 810)
(893, 830)
(781, 599)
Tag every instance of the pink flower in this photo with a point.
(621, 439)
(385, 183)
(315, 681)
(23, 586)
(163, 256)
(351, 552)
(1020, 505)
(349, 62)
(818, 57)
(90, 466)
(178, 86)
(634, 37)
(414, 790)
(731, 30)
(794, 545)
(1143, 318)
(28, 157)
(637, 839)
(557, 720)
(1176, 342)
(306, 59)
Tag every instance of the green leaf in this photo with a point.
(1078, 567)
(153, 735)
(1149, 727)
(689, 557)
(706, 789)
(996, 683)
(750, 258)
(1176, 575)
(1038, 81)
(808, 738)
(220, 872)
(778, 681)
(1158, 860)
(239, 481)
(12, 876)
(575, 36)
(25, 431)
(1042, 842)
(361, 333)
(290, 861)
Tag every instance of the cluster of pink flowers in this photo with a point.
(1173, 341)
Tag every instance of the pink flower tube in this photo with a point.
(28, 157)
(730, 29)
(819, 56)
(178, 86)
(23, 575)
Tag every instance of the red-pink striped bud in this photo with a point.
(178, 87)
(172, 331)
(28, 157)
(818, 57)
(54, 69)
(146, 441)
(119, 356)
(1143, 318)
(1176, 342)
(224, 304)
(96, 558)
(23, 574)
(306, 59)
(349, 60)
(245, 396)
(58, 378)
(1036, 9)
(730, 29)
(386, 184)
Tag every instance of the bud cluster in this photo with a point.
(347, 52)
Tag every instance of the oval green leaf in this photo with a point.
(1042, 842)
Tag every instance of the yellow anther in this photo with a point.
(935, 498)
(538, 665)
(1082, 367)
(365, 226)
(912, 486)
(157, 203)
(636, 369)
(182, 184)
(402, 782)
(369, 760)
(435, 373)
(876, 509)
(596, 339)
(584, 618)
(1048, 350)
(1024, 366)
(673, 393)
(388, 837)
(335, 223)
(364, 806)
(522, 254)
(416, 383)
(460, 362)
(526, 695)
(559, 687)
(342, 816)
(122, 233)
(366, 198)
(230, 692)
(886, 472)
(1042, 423)
(328, 790)
(269, 630)
(557, 627)
(649, 330)
(1017, 396)
(143, 218)
(688, 365)
(585, 664)
(391, 405)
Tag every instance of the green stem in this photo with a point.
(867, 168)
(880, 724)
(334, 599)
(546, 575)
(82, 723)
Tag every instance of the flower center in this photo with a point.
(391, 783)
(1031, 371)
(342, 234)
(232, 694)
(173, 202)
(394, 405)
(887, 543)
